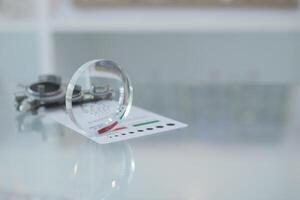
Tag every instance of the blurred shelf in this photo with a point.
(135, 20)
(178, 20)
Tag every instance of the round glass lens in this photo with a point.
(98, 96)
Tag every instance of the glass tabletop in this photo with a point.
(242, 143)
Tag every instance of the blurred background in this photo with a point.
(162, 44)
(171, 41)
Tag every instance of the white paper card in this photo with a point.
(138, 123)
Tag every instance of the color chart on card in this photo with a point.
(138, 123)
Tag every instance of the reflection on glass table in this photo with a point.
(226, 113)
(242, 143)
(42, 171)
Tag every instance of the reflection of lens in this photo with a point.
(98, 95)
(102, 172)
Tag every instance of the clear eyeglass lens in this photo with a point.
(98, 96)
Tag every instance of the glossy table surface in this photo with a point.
(242, 143)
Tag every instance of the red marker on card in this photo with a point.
(107, 128)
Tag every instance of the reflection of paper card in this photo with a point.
(138, 123)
